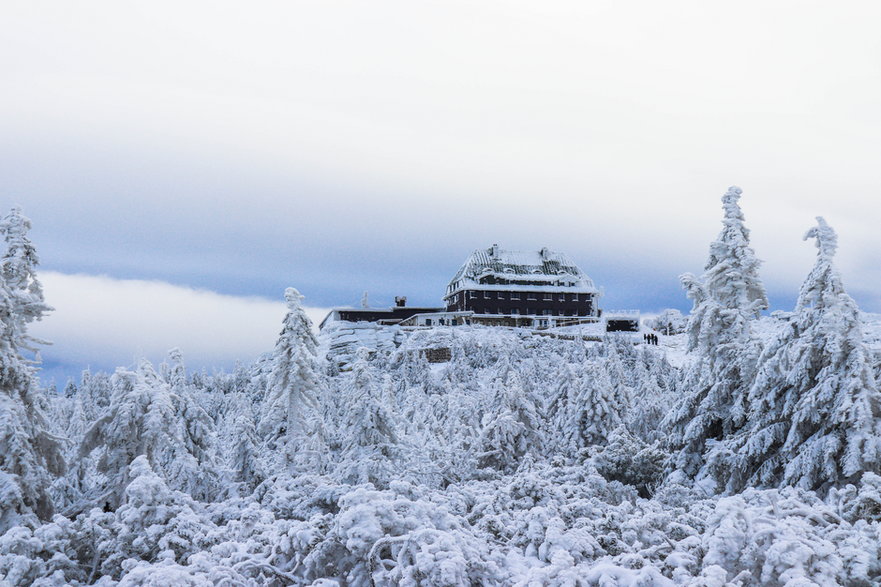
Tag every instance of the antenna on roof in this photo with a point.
(365, 300)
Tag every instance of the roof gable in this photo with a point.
(521, 268)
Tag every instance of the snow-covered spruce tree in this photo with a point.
(95, 391)
(196, 426)
(595, 408)
(727, 298)
(243, 454)
(458, 416)
(815, 407)
(29, 453)
(562, 392)
(290, 418)
(142, 420)
(650, 400)
(512, 425)
(368, 432)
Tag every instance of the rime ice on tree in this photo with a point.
(726, 298)
(815, 405)
(289, 413)
(29, 453)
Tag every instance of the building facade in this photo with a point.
(497, 287)
(522, 283)
(394, 315)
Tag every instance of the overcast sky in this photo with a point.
(239, 148)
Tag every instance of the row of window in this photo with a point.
(455, 322)
(530, 312)
(514, 295)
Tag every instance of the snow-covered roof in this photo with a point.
(523, 268)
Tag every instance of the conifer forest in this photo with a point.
(744, 449)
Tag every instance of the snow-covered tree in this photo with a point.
(815, 407)
(369, 435)
(650, 400)
(561, 394)
(70, 389)
(244, 447)
(290, 413)
(512, 424)
(625, 458)
(732, 272)
(142, 420)
(670, 321)
(95, 389)
(29, 453)
(727, 298)
(595, 408)
(196, 426)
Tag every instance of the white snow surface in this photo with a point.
(543, 265)
(412, 488)
(745, 451)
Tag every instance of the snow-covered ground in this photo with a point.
(524, 460)
(745, 451)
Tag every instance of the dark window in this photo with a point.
(548, 296)
(500, 295)
(486, 295)
(428, 321)
(515, 295)
(530, 296)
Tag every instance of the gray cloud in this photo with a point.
(345, 146)
(104, 322)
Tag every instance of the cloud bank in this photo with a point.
(101, 322)
(346, 145)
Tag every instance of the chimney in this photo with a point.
(494, 252)
(400, 301)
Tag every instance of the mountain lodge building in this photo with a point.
(498, 287)
(543, 283)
